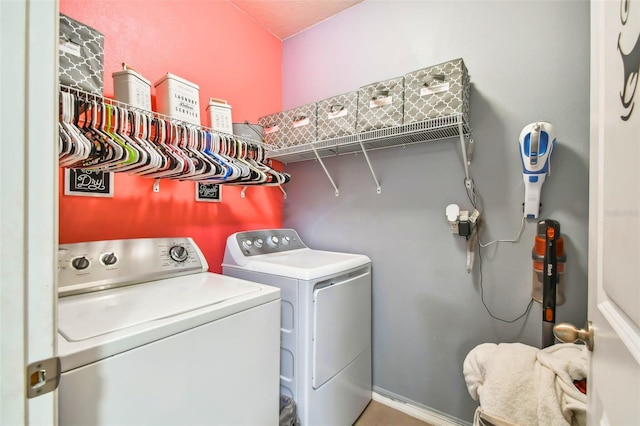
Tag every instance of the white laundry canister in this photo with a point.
(178, 98)
(132, 88)
(220, 115)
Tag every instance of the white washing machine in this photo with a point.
(147, 337)
(325, 359)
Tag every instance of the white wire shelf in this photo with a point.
(424, 131)
(454, 126)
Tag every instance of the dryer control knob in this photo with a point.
(247, 244)
(80, 263)
(273, 241)
(258, 243)
(178, 253)
(109, 259)
(286, 240)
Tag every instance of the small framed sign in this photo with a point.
(211, 192)
(88, 183)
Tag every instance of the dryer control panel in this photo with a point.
(98, 265)
(252, 243)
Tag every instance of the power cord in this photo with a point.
(526, 311)
(471, 194)
(515, 240)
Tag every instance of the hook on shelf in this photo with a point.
(156, 185)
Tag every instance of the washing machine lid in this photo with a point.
(303, 264)
(90, 315)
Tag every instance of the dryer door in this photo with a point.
(341, 324)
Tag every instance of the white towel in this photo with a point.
(526, 385)
(564, 363)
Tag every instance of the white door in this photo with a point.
(614, 228)
(28, 206)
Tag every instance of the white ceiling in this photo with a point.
(285, 18)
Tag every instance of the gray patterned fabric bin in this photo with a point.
(337, 116)
(274, 129)
(380, 104)
(81, 56)
(300, 125)
(438, 91)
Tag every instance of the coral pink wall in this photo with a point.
(212, 44)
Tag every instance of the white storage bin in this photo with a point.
(178, 98)
(220, 115)
(132, 88)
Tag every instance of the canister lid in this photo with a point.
(215, 102)
(176, 78)
(130, 72)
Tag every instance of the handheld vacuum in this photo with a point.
(553, 249)
(537, 141)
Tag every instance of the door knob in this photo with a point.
(569, 333)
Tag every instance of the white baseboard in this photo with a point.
(419, 413)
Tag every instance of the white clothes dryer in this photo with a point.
(325, 358)
(147, 337)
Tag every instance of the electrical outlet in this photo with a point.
(452, 212)
(460, 221)
(474, 216)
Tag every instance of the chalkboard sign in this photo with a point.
(208, 192)
(88, 183)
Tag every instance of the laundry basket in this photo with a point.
(482, 418)
(288, 414)
(523, 385)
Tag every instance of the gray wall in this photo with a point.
(528, 61)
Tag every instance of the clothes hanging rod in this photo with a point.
(164, 117)
(253, 145)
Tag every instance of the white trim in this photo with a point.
(13, 247)
(41, 191)
(421, 413)
(623, 326)
(28, 209)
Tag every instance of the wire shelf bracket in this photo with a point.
(244, 190)
(364, 151)
(315, 151)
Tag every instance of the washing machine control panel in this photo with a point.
(266, 241)
(98, 265)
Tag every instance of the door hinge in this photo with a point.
(43, 377)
